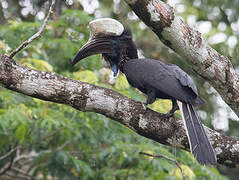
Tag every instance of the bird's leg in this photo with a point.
(151, 96)
(174, 108)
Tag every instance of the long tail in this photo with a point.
(198, 140)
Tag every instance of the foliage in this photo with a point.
(69, 144)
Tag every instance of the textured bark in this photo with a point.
(86, 97)
(187, 42)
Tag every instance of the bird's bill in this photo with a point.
(92, 47)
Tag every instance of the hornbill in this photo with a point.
(153, 77)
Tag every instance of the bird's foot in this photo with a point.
(171, 112)
(144, 105)
(168, 115)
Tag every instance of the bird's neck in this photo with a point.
(127, 52)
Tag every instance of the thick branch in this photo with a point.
(187, 42)
(86, 97)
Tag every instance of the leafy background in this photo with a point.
(57, 142)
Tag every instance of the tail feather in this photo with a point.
(198, 140)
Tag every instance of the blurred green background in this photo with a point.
(57, 142)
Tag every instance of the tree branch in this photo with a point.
(7, 167)
(187, 42)
(167, 158)
(86, 97)
(36, 35)
(9, 153)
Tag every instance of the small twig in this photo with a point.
(167, 158)
(9, 153)
(64, 145)
(7, 167)
(22, 172)
(24, 156)
(13, 176)
(34, 36)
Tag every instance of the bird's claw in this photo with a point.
(168, 115)
(144, 105)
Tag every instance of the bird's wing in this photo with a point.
(162, 77)
(184, 78)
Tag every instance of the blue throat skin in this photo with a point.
(115, 70)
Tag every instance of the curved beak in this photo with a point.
(94, 46)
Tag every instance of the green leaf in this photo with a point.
(21, 132)
(86, 76)
(121, 82)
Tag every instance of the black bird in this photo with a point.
(154, 78)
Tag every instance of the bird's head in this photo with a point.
(111, 39)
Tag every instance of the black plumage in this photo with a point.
(161, 80)
(157, 80)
